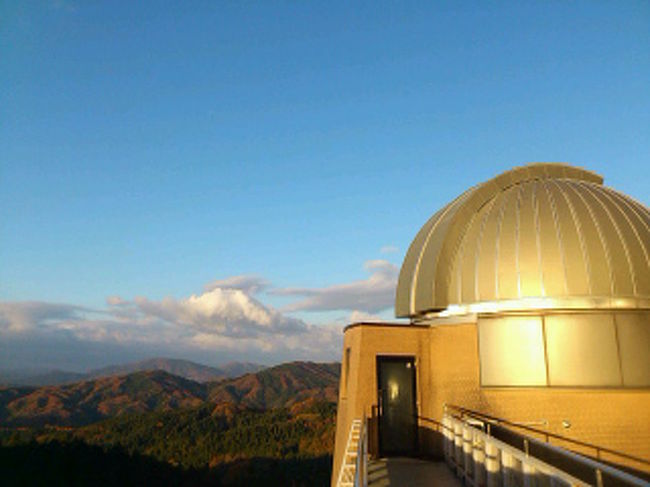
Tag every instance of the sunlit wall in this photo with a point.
(577, 349)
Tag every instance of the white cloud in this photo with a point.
(363, 317)
(219, 321)
(228, 312)
(389, 249)
(317, 342)
(115, 301)
(225, 319)
(24, 316)
(370, 295)
(250, 284)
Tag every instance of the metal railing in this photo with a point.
(354, 465)
(547, 436)
(480, 459)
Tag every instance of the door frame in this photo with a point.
(397, 358)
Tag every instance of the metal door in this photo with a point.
(397, 409)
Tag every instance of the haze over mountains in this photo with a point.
(291, 385)
(182, 368)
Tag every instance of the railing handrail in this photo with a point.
(359, 476)
(598, 467)
(546, 434)
(439, 424)
(524, 458)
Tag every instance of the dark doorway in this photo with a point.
(397, 410)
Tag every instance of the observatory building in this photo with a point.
(528, 299)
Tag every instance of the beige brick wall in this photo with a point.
(365, 343)
(618, 419)
(447, 367)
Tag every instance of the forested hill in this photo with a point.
(281, 386)
(187, 447)
(88, 401)
(273, 427)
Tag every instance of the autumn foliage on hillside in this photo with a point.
(274, 427)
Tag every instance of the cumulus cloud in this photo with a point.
(227, 312)
(227, 318)
(371, 295)
(223, 320)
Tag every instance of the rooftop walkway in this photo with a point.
(397, 472)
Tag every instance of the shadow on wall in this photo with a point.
(79, 464)
(430, 446)
(430, 443)
(429, 435)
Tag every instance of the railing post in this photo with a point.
(499, 464)
(467, 452)
(507, 469)
(529, 474)
(445, 437)
(458, 446)
(492, 464)
(478, 458)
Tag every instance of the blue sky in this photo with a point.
(149, 149)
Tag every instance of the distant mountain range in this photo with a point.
(182, 368)
(287, 385)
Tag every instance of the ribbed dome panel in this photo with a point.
(539, 231)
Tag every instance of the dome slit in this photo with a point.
(558, 234)
(529, 270)
(581, 237)
(487, 266)
(538, 242)
(479, 244)
(517, 237)
(497, 244)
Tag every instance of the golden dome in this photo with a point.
(538, 236)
